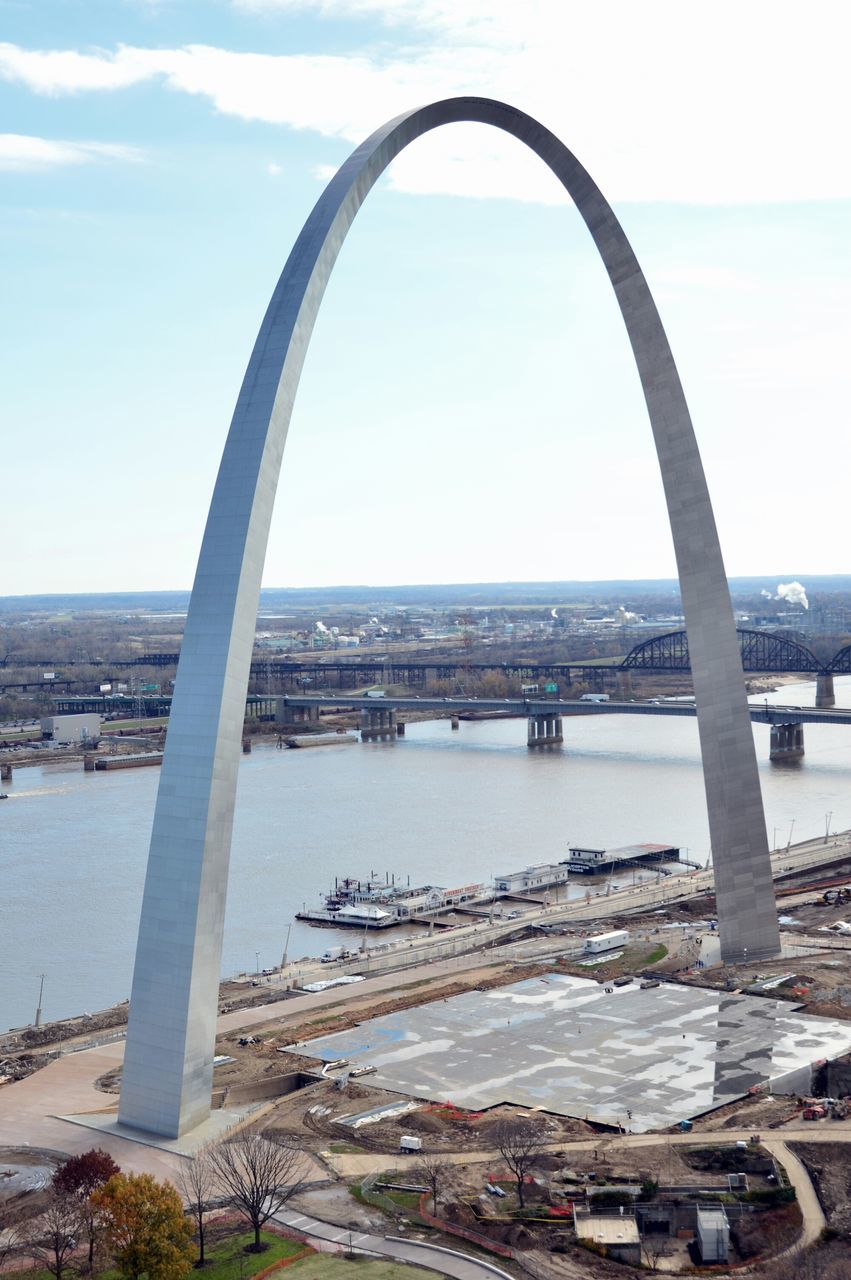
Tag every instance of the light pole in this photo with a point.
(791, 829)
(257, 958)
(286, 946)
(827, 818)
(40, 994)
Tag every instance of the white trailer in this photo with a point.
(605, 942)
(594, 697)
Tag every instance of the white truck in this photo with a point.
(409, 1143)
(600, 942)
(594, 697)
(333, 953)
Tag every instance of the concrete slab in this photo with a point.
(641, 1059)
(214, 1128)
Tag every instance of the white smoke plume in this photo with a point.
(553, 613)
(792, 593)
(320, 626)
(624, 616)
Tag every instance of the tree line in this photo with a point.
(97, 1216)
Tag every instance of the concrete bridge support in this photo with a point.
(624, 684)
(377, 722)
(825, 697)
(545, 731)
(787, 742)
(5, 772)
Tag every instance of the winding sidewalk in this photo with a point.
(460, 1266)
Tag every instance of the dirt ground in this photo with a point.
(25, 1173)
(820, 984)
(313, 1115)
(830, 1169)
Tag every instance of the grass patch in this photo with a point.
(345, 1149)
(227, 1259)
(325, 1266)
(407, 1200)
(657, 954)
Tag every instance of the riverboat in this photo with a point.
(377, 903)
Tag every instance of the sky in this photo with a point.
(469, 408)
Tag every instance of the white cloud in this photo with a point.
(20, 151)
(274, 170)
(685, 104)
(60, 71)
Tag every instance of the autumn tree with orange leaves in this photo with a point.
(144, 1227)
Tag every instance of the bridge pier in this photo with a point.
(377, 722)
(5, 773)
(825, 697)
(787, 742)
(290, 717)
(624, 684)
(545, 730)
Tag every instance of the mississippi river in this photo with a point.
(442, 807)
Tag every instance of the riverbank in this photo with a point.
(25, 1050)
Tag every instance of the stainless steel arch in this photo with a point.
(168, 1059)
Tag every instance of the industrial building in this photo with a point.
(74, 728)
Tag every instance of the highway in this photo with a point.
(761, 713)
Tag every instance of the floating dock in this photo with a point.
(588, 861)
(377, 903)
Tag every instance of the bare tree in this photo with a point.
(433, 1169)
(12, 1237)
(54, 1236)
(656, 1249)
(519, 1142)
(196, 1182)
(822, 1262)
(258, 1174)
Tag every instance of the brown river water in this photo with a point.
(442, 807)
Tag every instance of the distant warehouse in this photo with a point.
(77, 728)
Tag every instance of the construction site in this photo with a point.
(677, 1113)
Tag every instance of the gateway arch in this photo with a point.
(168, 1060)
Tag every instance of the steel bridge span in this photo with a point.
(762, 653)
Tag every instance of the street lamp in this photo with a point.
(827, 818)
(40, 994)
(286, 947)
(257, 958)
(791, 829)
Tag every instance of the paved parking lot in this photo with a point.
(643, 1059)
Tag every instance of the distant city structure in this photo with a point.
(168, 1061)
